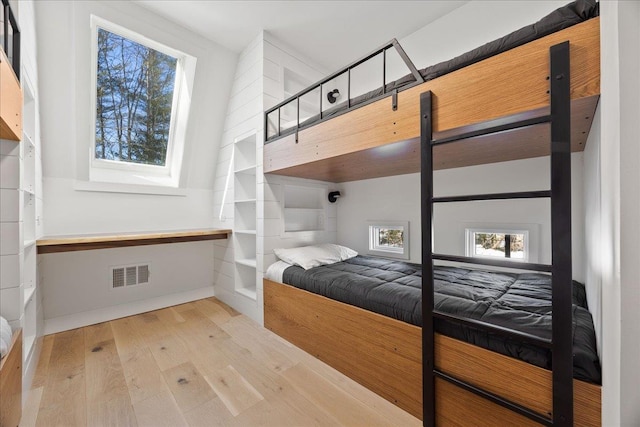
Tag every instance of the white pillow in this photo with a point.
(313, 256)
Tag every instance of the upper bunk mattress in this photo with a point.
(516, 301)
(571, 14)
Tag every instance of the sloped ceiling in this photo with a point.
(332, 33)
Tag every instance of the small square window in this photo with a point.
(507, 244)
(389, 239)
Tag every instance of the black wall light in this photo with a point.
(333, 196)
(333, 95)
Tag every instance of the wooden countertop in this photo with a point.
(106, 241)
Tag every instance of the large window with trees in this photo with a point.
(134, 99)
(140, 107)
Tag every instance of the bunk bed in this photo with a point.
(11, 99)
(545, 87)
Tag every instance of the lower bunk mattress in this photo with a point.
(519, 301)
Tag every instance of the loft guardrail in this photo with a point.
(10, 36)
(273, 127)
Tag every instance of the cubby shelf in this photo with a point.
(245, 201)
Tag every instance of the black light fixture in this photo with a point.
(333, 196)
(333, 95)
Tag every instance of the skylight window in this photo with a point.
(141, 100)
(134, 101)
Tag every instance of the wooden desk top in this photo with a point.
(106, 241)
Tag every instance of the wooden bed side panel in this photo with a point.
(458, 407)
(368, 347)
(383, 354)
(11, 384)
(518, 381)
(509, 83)
(10, 102)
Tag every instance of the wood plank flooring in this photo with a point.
(196, 364)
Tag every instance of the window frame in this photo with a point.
(375, 249)
(123, 172)
(470, 243)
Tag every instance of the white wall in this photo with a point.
(398, 198)
(592, 228)
(278, 57)
(64, 53)
(614, 260)
(73, 292)
(78, 289)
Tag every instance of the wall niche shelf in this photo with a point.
(244, 218)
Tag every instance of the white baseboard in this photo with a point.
(86, 318)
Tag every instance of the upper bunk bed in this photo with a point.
(10, 90)
(498, 82)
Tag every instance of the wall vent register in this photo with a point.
(129, 275)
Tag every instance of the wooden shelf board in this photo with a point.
(107, 241)
(249, 293)
(247, 262)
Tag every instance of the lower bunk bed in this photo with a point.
(363, 317)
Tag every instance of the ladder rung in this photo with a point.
(494, 262)
(493, 129)
(526, 412)
(490, 327)
(494, 196)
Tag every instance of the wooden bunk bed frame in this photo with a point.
(385, 354)
(11, 99)
(515, 82)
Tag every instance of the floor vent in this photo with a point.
(129, 275)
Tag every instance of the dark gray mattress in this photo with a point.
(564, 17)
(516, 301)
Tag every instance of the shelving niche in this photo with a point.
(30, 218)
(244, 218)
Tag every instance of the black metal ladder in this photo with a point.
(560, 267)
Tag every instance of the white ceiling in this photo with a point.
(332, 33)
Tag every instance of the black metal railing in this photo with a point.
(560, 267)
(274, 114)
(10, 36)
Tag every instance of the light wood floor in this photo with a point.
(196, 364)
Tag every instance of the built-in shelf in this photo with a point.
(244, 218)
(249, 170)
(249, 293)
(29, 342)
(247, 262)
(28, 295)
(29, 243)
(245, 232)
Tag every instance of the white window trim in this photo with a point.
(373, 249)
(124, 173)
(470, 242)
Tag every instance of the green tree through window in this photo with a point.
(135, 86)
